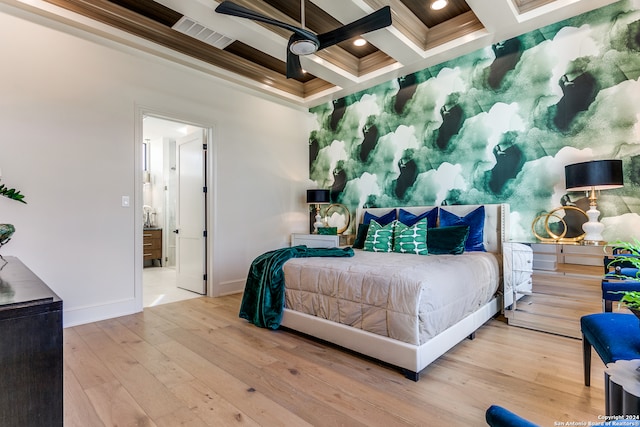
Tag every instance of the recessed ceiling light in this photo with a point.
(439, 4)
(359, 42)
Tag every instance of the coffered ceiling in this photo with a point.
(253, 54)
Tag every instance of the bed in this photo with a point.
(400, 308)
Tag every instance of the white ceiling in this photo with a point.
(501, 19)
(155, 128)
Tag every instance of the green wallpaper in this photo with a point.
(497, 125)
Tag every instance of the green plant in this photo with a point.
(630, 257)
(632, 248)
(11, 193)
(631, 299)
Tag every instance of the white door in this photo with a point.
(191, 213)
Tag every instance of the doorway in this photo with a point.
(167, 194)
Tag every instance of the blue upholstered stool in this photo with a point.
(613, 288)
(614, 336)
(497, 416)
(619, 276)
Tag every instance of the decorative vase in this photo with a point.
(6, 231)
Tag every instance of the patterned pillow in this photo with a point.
(379, 237)
(475, 221)
(412, 239)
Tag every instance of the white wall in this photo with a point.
(69, 114)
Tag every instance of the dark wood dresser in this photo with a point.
(152, 245)
(30, 349)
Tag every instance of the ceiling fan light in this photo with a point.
(359, 41)
(439, 4)
(303, 47)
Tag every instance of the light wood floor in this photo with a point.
(195, 363)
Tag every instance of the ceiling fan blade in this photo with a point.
(230, 8)
(294, 68)
(374, 21)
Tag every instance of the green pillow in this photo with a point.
(412, 239)
(379, 238)
(447, 240)
(363, 229)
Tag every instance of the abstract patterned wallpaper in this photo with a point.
(496, 126)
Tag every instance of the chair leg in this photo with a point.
(608, 305)
(607, 394)
(586, 360)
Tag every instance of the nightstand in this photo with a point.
(315, 240)
(549, 286)
(518, 267)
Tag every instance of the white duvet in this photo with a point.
(410, 298)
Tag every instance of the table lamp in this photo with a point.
(592, 176)
(317, 197)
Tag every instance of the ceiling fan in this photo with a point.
(305, 42)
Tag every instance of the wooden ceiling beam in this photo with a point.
(455, 28)
(133, 23)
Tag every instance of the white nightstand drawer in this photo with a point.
(315, 240)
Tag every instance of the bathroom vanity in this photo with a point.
(152, 245)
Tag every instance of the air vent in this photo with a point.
(198, 31)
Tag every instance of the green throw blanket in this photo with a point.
(263, 298)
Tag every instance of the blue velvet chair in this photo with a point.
(614, 283)
(497, 416)
(614, 336)
(613, 289)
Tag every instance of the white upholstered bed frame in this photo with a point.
(412, 358)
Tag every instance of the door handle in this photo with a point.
(176, 231)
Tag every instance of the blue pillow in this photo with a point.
(475, 221)
(409, 219)
(385, 219)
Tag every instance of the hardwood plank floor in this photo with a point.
(195, 363)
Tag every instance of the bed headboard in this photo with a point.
(496, 220)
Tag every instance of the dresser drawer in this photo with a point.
(152, 254)
(315, 240)
(152, 234)
(150, 244)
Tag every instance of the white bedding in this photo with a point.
(410, 298)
